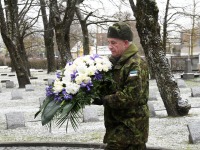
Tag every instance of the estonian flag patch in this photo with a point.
(133, 73)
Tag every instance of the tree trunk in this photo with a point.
(20, 67)
(62, 28)
(86, 46)
(48, 38)
(165, 27)
(21, 71)
(146, 14)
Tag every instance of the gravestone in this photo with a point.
(11, 75)
(15, 120)
(194, 132)
(29, 87)
(16, 94)
(195, 91)
(0, 88)
(181, 83)
(33, 77)
(4, 81)
(153, 94)
(41, 100)
(151, 109)
(50, 81)
(90, 114)
(10, 84)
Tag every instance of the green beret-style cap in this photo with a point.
(120, 30)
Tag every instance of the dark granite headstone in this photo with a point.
(11, 75)
(10, 84)
(29, 87)
(4, 81)
(195, 91)
(15, 120)
(33, 77)
(90, 114)
(151, 109)
(194, 132)
(16, 94)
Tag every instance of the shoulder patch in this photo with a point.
(133, 73)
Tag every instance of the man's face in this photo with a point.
(117, 46)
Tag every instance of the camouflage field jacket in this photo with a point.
(127, 107)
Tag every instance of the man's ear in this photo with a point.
(126, 43)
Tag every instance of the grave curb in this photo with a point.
(63, 144)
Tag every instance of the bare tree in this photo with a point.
(62, 21)
(146, 14)
(48, 37)
(13, 40)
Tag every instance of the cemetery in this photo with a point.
(19, 128)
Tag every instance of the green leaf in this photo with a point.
(49, 111)
(66, 109)
(45, 102)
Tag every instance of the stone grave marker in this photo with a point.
(10, 84)
(153, 94)
(33, 77)
(50, 81)
(4, 81)
(41, 100)
(194, 132)
(0, 88)
(195, 91)
(181, 83)
(15, 120)
(16, 94)
(90, 114)
(40, 70)
(151, 109)
(29, 87)
(11, 75)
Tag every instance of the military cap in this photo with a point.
(120, 30)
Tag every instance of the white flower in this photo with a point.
(72, 88)
(82, 78)
(78, 61)
(58, 86)
(99, 67)
(67, 76)
(91, 70)
(81, 68)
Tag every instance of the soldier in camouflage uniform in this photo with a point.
(126, 112)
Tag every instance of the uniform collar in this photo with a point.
(130, 51)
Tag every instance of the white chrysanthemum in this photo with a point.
(58, 86)
(67, 77)
(99, 67)
(81, 68)
(98, 60)
(82, 78)
(91, 70)
(72, 88)
(107, 62)
(70, 68)
(78, 61)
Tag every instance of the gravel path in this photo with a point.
(166, 132)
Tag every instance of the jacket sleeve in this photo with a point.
(135, 91)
